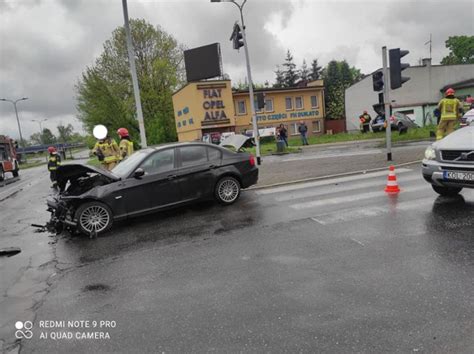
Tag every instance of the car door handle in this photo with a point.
(212, 166)
(170, 177)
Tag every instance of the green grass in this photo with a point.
(24, 166)
(294, 142)
(93, 161)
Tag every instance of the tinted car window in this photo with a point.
(161, 161)
(193, 155)
(214, 154)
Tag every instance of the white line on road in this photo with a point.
(356, 213)
(329, 181)
(378, 184)
(350, 198)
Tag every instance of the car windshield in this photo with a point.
(126, 167)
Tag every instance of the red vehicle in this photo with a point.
(8, 157)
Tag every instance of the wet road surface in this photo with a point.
(329, 266)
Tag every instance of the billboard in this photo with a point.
(203, 62)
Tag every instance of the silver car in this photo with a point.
(449, 163)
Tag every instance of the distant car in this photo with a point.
(399, 122)
(449, 163)
(467, 118)
(153, 179)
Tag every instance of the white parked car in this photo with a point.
(449, 163)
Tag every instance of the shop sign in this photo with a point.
(282, 116)
(213, 106)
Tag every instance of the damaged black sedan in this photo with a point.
(90, 199)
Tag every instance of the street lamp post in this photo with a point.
(17, 120)
(16, 112)
(133, 71)
(249, 77)
(40, 121)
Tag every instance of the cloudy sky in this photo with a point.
(46, 44)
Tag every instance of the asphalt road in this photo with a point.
(326, 266)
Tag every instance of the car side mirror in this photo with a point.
(139, 173)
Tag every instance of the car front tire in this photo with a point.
(2, 175)
(447, 191)
(227, 190)
(94, 218)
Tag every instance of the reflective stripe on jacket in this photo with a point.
(126, 148)
(109, 149)
(54, 161)
(449, 108)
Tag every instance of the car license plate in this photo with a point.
(459, 176)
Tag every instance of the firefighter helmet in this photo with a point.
(122, 132)
(449, 92)
(51, 149)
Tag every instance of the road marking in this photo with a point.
(330, 181)
(337, 188)
(355, 213)
(350, 198)
(356, 241)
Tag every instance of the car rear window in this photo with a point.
(214, 154)
(193, 155)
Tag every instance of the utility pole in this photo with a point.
(386, 95)
(133, 71)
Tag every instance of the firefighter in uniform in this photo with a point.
(107, 151)
(449, 108)
(365, 119)
(125, 145)
(54, 161)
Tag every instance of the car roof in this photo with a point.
(177, 144)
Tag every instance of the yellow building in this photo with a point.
(211, 106)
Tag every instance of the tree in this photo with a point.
(461, 50)
(105, 92)
(304, 71)
(65, 133)
(338, 76)
(279, 80)
(356, 75)
(47, 137)
(290, 75)
(36, 139)
(315, 72)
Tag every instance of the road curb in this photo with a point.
(311, 179)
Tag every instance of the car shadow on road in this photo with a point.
(450, 226)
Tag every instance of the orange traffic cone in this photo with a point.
(392, 185)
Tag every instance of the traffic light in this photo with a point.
(396, 67)
(377, 80)
(237, 38)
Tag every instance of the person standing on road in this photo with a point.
(283, 134)
(450, 108)
(108, 152)
(54, 161)
(365, 119)
(303, 130)
(125, 145)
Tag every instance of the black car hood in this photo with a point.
(75, 171)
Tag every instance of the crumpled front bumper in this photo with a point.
(61, 215)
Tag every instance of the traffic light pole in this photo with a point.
(256, 134)
(386, 95)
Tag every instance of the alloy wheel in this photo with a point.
(94, 219)
(228, 190)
